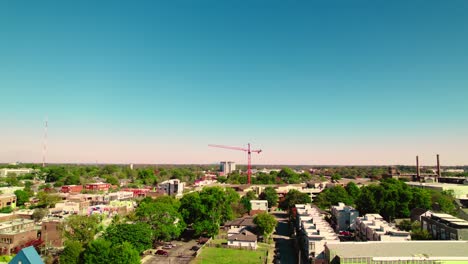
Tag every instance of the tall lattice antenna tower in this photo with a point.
(44, 146)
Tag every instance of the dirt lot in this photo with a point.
(182, 253)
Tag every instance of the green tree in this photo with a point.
(333, 196)
(72, 179)
(47, 200)
(270, 195)
(417, 233)
(266, 223)
(98, 251)
(39, 213)
(207, 210)
(353, 191)
(112, 180)
(245, 200)
(22, 197)
(163, 216)
(421, 198)
(81, 228)
(294, 197)
(139, 235)
(124, 254)
(289, 176)
(71, 253)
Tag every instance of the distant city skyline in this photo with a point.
(349, 83)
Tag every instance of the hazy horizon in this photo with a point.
(343, 83)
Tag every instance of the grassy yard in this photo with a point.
(211, 255)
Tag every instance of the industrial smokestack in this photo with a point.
(418, 170)
(438, 166)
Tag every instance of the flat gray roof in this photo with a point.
(435, 248)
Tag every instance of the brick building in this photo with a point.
(16, 233)
(98, 186)
(50, 232)
(71, 188)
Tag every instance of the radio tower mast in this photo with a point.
(44, 147)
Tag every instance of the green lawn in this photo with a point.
(211, 255)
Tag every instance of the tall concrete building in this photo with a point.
(227, 167)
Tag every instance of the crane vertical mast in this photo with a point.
(249, 156)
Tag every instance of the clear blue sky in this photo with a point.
(310, 82)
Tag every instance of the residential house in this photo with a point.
(244, 239)
(27, 255)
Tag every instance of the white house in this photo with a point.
(244, 239)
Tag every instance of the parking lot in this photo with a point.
(181, 253)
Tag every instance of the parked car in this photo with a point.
(167, 246)
(162, 252)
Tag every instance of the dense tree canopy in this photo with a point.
(294, 197)
(139, 235)
(21, 197)
(245, 200)
(71, 252)
(266, 223)
(208, 209)
(270, 195)
(81, 228)
(333, 196)
(163, 216)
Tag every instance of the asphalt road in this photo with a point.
(284, 243)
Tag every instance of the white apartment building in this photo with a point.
(173, 187)
(372, 227)
(227, 167)
(315, 232)
(343, 217)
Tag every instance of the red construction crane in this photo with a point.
(248, 150)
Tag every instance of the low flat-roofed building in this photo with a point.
(259, 205)
(372, 227)
(7, 200)
(98, 186)
(398, 252)
(15, 172)
(71, 188)
(16, 233)
(445, 227)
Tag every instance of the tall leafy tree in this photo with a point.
(353, 190)
(71, 253)
(124, 254)
(81, 228)
(21, 197)
(270, 195)
(98, 251)
(245, 200)
(266, 223)
(139, 235)
(294, 197)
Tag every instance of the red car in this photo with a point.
(162, 252)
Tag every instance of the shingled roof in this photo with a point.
(243, 236)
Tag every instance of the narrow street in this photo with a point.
(284, 243)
